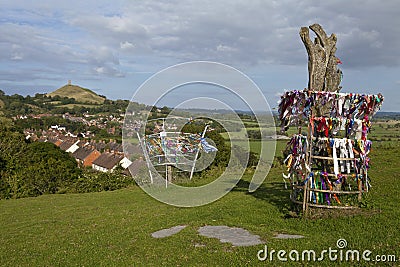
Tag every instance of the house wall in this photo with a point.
(125, 162)
(73, 148)
(99, 168)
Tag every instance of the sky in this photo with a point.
(112, 47)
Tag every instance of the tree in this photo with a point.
(223, 153)
(323, 74)
(165, 110)
(32, 169)
(254, 134)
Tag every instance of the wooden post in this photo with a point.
(308, 162)
(169, 173)
(197, 153)
(146, 155)
(305, 197)
(360, 182)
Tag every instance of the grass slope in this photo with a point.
(80, 94)
(114, 228)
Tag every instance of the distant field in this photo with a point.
(78, 105)
(386, 131)
(255, 146)
(241, 133)
(114, 228)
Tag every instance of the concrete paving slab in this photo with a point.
(237, 236)
(168, 232)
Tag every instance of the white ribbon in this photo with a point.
(351, 154)
(335, 160)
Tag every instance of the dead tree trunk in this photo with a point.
(323, 74)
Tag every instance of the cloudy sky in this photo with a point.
(114, 46)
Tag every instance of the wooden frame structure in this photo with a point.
(330, 162)
(164, 158)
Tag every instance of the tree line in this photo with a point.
(42, 103)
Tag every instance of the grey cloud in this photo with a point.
(44, 47)
(30, 44)
(110, 27)
(96, 37)
(267, 32)
(233, 32)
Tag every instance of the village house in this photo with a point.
(30, 135)
(54, 139)
(89, 152)
(58, 128)
(68, 143)
(86, 155)
(132, 150)
(100, 145)
(125, 162)
(74, 147)
(135, 167)
(107, 162)
(115, 147)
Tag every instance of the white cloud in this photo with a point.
(225, 48)
(107, 70)
(17, 56)
(126, 45)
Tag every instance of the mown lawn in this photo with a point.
(114, 228)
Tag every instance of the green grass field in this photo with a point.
(71, 106)
(114, 228)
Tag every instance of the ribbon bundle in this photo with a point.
(297, 148)
(157, 145)
(320, 161)
(328, 127)
(295, 106)
(320, 180)
(183, 144)
(346, 157)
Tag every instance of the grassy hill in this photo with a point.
(114, 228)
(80, 94)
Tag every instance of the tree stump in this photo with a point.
(323, 74)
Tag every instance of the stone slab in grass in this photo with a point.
(237, 236)
(168, 232)
(286, 236)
